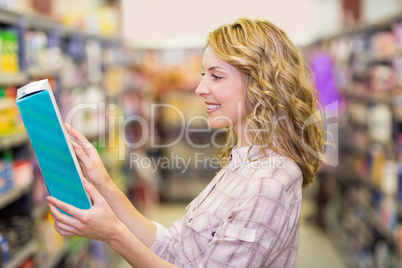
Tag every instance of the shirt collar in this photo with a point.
(240, 156)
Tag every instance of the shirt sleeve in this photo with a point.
(254, 230)
(167, 241)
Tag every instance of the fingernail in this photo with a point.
(76, 145)
(48, 198)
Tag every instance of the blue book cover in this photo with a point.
(55, 154)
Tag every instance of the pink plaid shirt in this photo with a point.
(248, 216)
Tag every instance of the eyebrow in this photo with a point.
(213, 68)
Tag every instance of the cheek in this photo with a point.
(233, 109)
(231, 112)
(236, 106)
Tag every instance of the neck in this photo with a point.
(243, 137)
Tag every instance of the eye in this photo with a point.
(216, 77)
(202, 74)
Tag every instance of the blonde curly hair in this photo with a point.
(281, 99)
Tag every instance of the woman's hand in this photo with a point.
(94, 170)
(90, 161)
(98, 222)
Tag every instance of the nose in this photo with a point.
(202, 88)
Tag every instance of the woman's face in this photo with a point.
(223, 90)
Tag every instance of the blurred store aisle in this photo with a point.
(315, 251)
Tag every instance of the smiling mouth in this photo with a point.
(212, 107)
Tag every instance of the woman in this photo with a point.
(254, 83)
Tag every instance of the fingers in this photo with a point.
(88, 166)
(82, 158)
(82, 166)
(93, 192)
(84, 143)
(81, 154)
(75, 133)
(63, 232)
(71, 210)
(64, 224)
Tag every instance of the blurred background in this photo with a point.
(124, 73)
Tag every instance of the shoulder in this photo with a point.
(277, 174)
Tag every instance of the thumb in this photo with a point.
(92, 192)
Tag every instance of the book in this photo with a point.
(55, 154)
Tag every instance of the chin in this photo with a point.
(218, 123)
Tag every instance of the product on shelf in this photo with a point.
(5, 250)
(94, 61)
(397, 104)
(35, 47)
(9, 51)
(383, 45)
(380, 123)
(382, 78)
(15, 171)
(15, 235)
(103, 21)
(6, 173)
(50, 243)
(114, 81)
(43, 56)
(22, 172)
(10, 119)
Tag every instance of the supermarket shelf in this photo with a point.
(40, 210)
(371, 97)
(76, 250)
(10, 17)
(362, 28)
(22, 255)
(13, 79)
(52, 261)
(65, 252)
(13, 195)
(36, 72)
(68, 252)
(361, 204)
(13, 140)
(74, 32)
